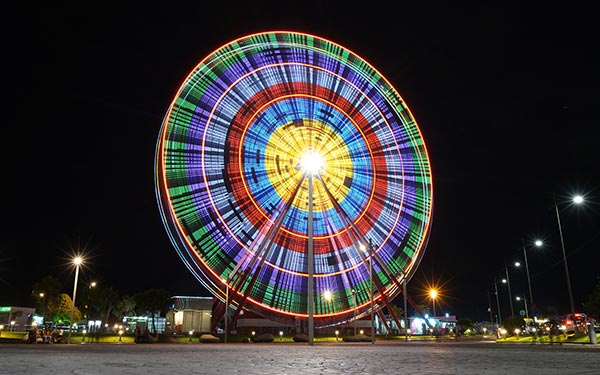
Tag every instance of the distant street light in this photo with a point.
(578, 199)
(507, 281)
(497, 305)
(524, 300)
(77, 262)
(538, 243)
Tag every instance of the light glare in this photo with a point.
(311, 162)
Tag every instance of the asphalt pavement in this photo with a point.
(383, 357)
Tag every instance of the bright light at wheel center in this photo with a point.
(311, 162)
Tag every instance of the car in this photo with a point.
(577, 321)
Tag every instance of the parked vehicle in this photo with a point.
(575, 321)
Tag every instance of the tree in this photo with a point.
(592, 306)
(44, 292)
(513, 322)
(463, 324)
(103, 301)
(124, 307)
(59, 310)
(153, 302)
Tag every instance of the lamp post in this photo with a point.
(226, 308)
(497, 305)
(77, 262)
(578, 199)
(406, 330)
(524, 300)
(538, 243)
(354, 310)
(89, 299)
(507, 281)
(43, 305)
(433, 294)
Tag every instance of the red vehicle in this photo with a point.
(577, 321)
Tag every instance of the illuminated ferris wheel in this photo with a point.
(259, 129)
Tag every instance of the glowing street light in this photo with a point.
(433, 293)
(577, 199)
(226, 282)
(537, 243)
(524, 300)
(77, 262)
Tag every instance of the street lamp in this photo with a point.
(370, 254)
(226, 307)
(524, 300)
(433, 294)
(578, 199)
(497, 305)
(537, 243)
(77, 262)
(354, 310)
(507, 281)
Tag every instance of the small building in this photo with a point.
(15, 318)
(190, 314)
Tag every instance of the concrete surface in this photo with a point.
(383, 357)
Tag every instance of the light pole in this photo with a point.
(433, 294)
(578, 199)
(77, 261)
(507, 281)
(226, 307)
(405, 309)
(524, 300)
(43, 305)
(497, 305)
(538, 243)
(354, 310)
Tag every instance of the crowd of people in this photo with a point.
(44, 335)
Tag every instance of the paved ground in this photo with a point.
(384, 357)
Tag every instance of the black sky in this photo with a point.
(506, 99)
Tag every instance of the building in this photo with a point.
(190, 314)
(15, 318)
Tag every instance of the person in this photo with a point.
(32, 335)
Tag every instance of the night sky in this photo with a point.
(506, 99)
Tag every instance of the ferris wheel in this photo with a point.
(287, 167)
